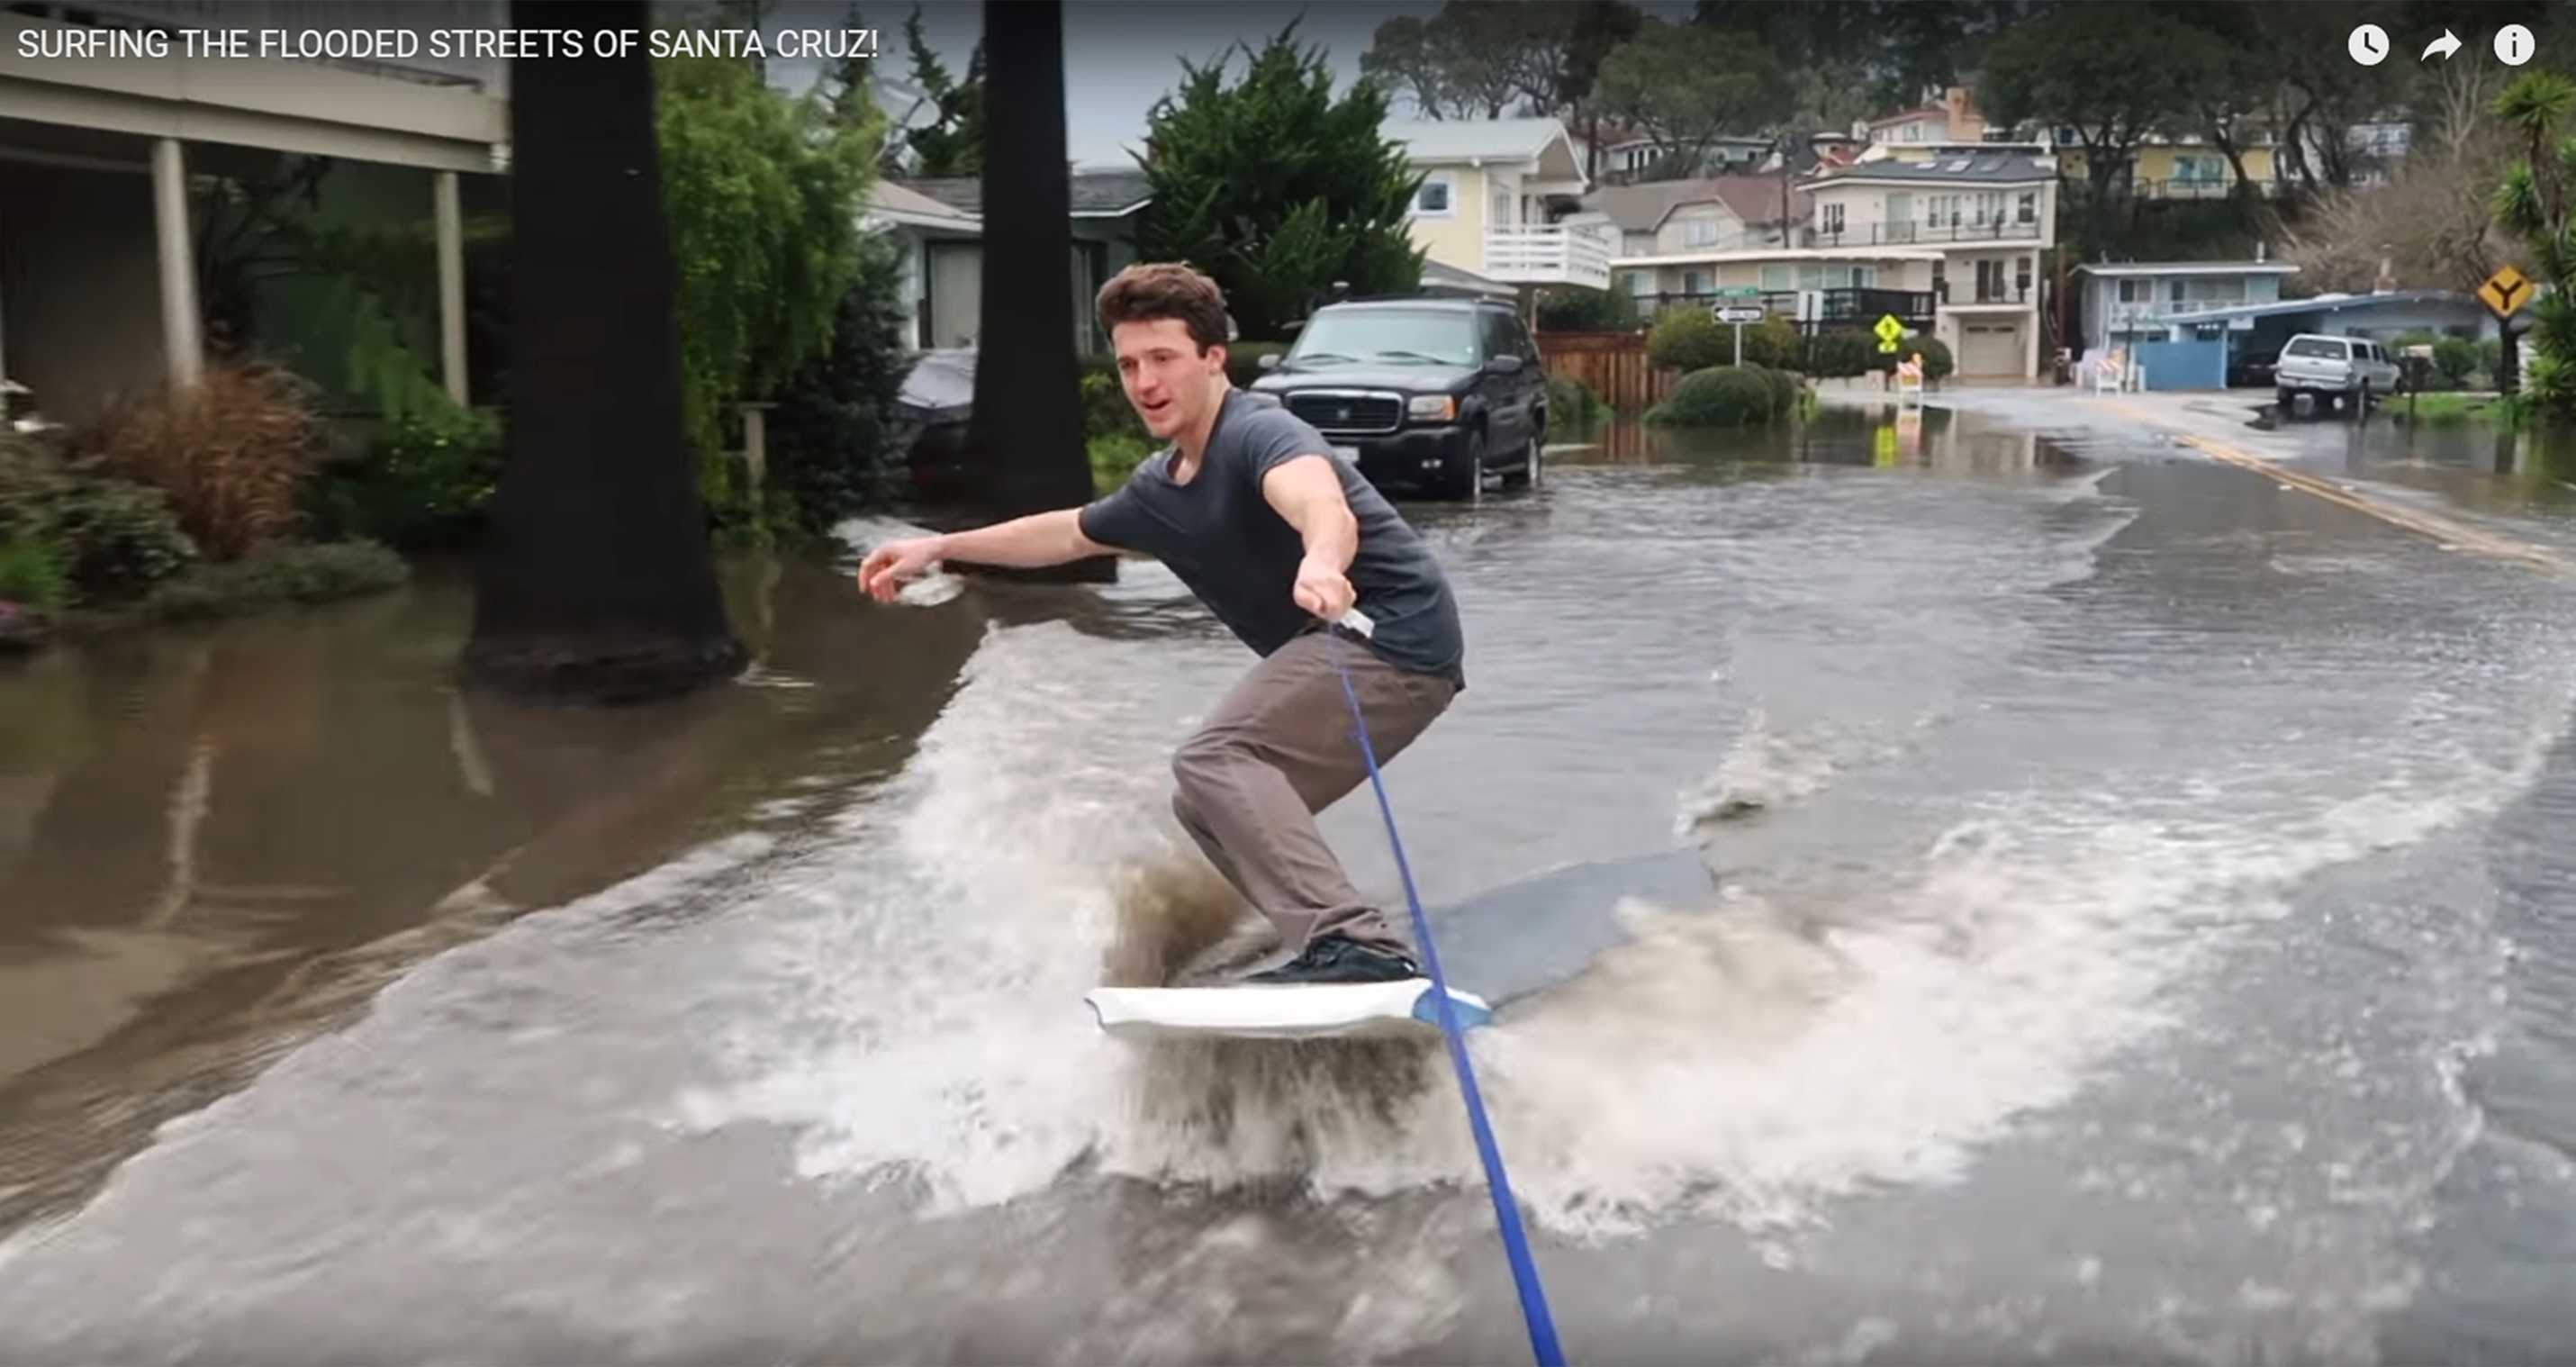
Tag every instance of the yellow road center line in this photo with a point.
(2441, 529)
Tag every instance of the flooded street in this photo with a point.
(2129, 919)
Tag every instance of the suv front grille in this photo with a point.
(1346, 410)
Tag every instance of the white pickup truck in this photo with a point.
(2314, 363)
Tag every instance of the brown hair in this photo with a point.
(1152, 290)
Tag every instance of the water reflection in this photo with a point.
(1885, 436)
(214, 837)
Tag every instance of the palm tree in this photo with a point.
(1026, 431)
(596, 584)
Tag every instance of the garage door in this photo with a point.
(1990, 349)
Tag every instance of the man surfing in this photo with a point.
(1279, 538)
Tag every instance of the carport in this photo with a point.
(2200, 344)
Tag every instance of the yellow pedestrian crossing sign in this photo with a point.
(2505, 291)
(1889, 330)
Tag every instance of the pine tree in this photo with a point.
(1276, 189)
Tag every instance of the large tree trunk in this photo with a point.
(1026, 431)
(596, 583)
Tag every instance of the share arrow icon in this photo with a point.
(2447, 44)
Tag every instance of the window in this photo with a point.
(1776, 279)
(1699, 232)
(1990, 282)
(1833, 218)
(1432, 201)
(1640, 282)
(1365, 334)
(2324, 347)
(1502, 209)
(2028, 211)
(1694, 282)
(2021, 277)
(2134, 292)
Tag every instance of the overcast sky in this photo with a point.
(1123, 55)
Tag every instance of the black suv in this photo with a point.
(1421, 393)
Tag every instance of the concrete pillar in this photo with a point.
(180, 334)
(451, 284)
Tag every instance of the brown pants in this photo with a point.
(1279, 749)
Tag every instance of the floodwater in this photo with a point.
(2137, 926)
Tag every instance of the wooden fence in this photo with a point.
(1611, 364)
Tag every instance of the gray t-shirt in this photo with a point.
(1240, 556)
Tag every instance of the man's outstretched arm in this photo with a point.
(1031, 542)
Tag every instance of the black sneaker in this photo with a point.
(1340, 959)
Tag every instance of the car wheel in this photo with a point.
(1526, 475)
(2285, 403)
(1468, 481)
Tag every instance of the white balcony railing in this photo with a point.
(2132, 317)
(1548, 256)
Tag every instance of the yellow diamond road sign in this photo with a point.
(2505, 291)
(1889, 330)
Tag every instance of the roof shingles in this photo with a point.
(1094, 192)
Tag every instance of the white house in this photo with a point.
(1989, 218)
(1492, 193)
(941, 227)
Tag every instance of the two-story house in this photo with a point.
(1990, 219)
(1682, 242)
(1492, 193)
(2124, 302)
(1954, 120)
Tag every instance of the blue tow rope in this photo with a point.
(1542, 1325)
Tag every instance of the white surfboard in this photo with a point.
(1283, 1011)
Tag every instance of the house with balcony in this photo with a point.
(1681, 242)
(1988, 220)
(2122, 303)
(2181, 166)
(1492, 196)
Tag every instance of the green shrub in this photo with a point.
(1574, 308)
(31, 573)
(1773, 343)
(1688, 339)
(1114, 456)
(833, 437)
(1838, 354)
(277, 575)
(1105, 410)
(110, 537)
(1719, 396)
(1571, 402)
(425, 484)
(2491, 361)
(2455, 359)
(1783, 387)
(1243, 360)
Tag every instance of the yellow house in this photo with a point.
(1490, 190)
(2188, 167)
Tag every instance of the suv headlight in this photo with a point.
(1433, 407)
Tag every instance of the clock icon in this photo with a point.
(2368, 44)
(2513, 45)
